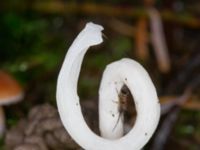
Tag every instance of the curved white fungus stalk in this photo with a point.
(124, 71)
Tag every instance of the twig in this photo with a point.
(58, 7)
(141, 39)
(158, 41)
(165, 129)
(121, 27)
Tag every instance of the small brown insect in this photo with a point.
(123, 100)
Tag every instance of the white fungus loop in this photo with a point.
(124, 71)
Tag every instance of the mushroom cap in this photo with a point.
(10, 90)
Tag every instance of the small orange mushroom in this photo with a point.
(10, 92)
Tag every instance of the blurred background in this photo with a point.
(163, 35)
